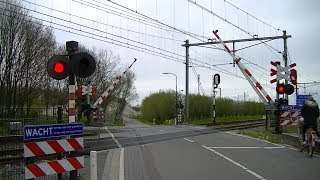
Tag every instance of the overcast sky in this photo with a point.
(103, 27)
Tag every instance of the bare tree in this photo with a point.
(25, 47)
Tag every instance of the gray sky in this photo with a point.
(98, 19)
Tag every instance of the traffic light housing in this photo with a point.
(285, 89)
(58, 67)
(82, 65)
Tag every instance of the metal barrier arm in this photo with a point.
(111, 88)
(253, 82)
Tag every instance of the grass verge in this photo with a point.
(119, 123)
(262, 134)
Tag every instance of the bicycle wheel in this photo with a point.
(301, 146)
(310, 148)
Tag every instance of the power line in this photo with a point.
(164, 24)
(229, 22)
(95, 29)
(99, 22)
(126, 45)
(112, 35)
(251, 15)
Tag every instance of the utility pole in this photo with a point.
(187, 82)
(220, 92)
(244, 96)
(285, 56)
(198, 83)
(214, 104)
(234, 52)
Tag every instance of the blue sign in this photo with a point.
(300, 99)
(51, 130)
(290, 108)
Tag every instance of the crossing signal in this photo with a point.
(82, 65)
(285, 89)
(58, 67)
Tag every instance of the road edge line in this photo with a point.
(121, 168)
(115, 140)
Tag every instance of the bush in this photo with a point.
(161, 106)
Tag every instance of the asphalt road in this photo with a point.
(139, 151)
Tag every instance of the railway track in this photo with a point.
(241, 125)
(16, 152)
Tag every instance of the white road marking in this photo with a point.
(121, 163)
(161, 130)
(235, 163)
(241, 135)
(115, 140)
(279, 147)
(188, 140)
(244, 147)
(121, 168)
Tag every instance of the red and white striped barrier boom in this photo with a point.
(112, 87)
(52, 147)
(253, 82)
(53, 167)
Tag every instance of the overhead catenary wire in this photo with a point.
(251, 15)
(126, 45)
(149, 18)
(114, 35)
(229, 22)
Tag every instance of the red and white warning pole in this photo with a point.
(112, 87)
(253, 82)
(72, 103)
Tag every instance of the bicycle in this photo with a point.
(310, 141)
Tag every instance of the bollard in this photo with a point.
(93, 165)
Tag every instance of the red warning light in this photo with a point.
(59, 67)
(281, 89)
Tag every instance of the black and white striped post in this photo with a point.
(216, 82)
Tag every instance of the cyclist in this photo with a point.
(310, 114)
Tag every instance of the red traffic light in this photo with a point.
(58, 67)
(280, 89)
(285, 89)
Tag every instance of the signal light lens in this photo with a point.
(59, 67)
(280, 89)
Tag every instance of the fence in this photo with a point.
(12, 121)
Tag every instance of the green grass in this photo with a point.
(226, 119)
(139, 118)
(119, 123)
(262, 134)
(169, 122)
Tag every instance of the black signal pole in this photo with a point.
(72, 47)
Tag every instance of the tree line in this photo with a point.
(160, 106)
(26, 45)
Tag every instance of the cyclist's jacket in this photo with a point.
(310, 112)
